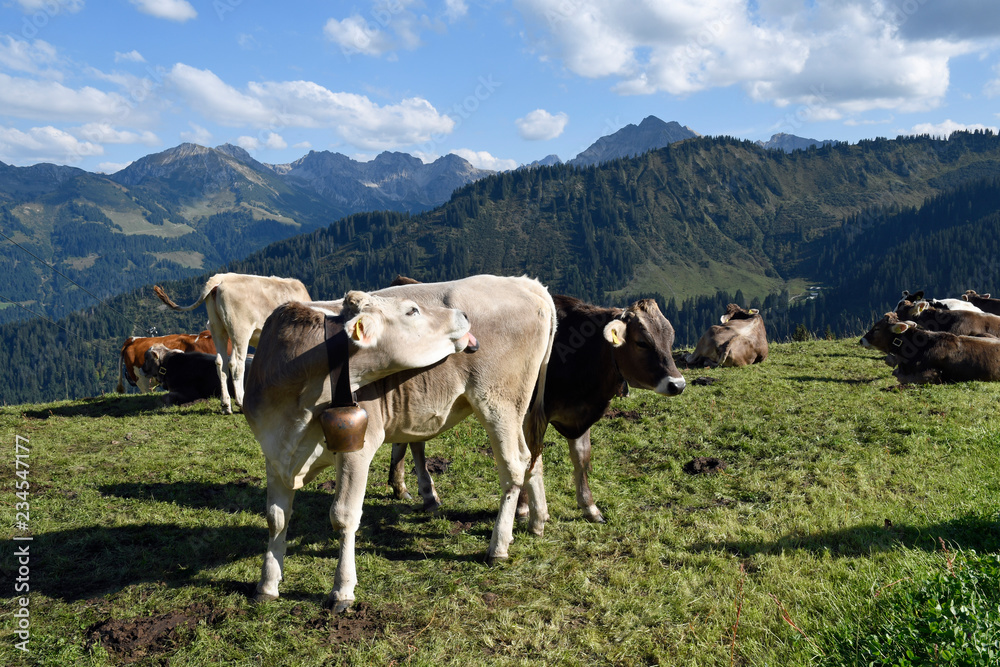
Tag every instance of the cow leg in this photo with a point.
(237, 366)
(424, 481)
(279, 511)
(345, 515)
(141, 381)
(579, 453)
(533, 489)
(397, 472)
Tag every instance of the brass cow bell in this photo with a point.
(344, 428)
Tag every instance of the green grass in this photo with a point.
(848, 510)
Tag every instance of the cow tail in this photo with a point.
(726, 350)
(212, 283)
(538, 420)
(121, 375)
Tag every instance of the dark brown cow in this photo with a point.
(133, 355)
(739, 340)
(958, 322)
(186, 376)
(923, 356)
(982, 301)
(598, 352)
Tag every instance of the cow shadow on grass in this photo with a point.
(818, 378)
(109, 405)
(969, 532)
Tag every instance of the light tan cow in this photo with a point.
(237, 306)
(741, 339)
(514, 320)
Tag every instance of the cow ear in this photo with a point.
(920, 307)
(899, 327)
(986, 296)
(724, 318)
(614, 333)
(965, 297)
(364, 330)
(754, 311)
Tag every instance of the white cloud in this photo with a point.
(197, 135)
(354, 118)
(51, 7)
(992, 87)
(43, 144)
(271, 141)
(357, 35)
(104, 133)
(171, 10)
(110, 167)
(50, 100)
(540, 125)
(945, 128)
(483, 160)
(303, 145)
(132, 56)
(455, 9)
(33, 57)
(247, 42)
(836, 58)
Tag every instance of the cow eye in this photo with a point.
(642, 344)
(414, 311)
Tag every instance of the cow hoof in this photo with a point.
(264, 597)
(431, 506)
(337, 606)
(593, 515)
(537, 528)
(493, 561)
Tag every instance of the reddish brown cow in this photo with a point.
(958, 322)
(923, 356)
(740, 340)
(133, 355)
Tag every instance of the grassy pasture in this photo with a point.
(842, 494)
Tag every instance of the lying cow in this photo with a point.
(945, 304)
(958, 322)
(289, 385)
(133, 355)
(923, 356)
(739, 340)
(597, 353)
(186, 376)
(237, 306)
(982, 301)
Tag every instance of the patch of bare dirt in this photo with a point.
(704, 380)
(705, 465)
(628, 415)
(437, 465)
(137, 638)
(359, 623)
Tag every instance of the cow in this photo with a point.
(959, 322)
(186, 376)
(945, 304)
(133, 355)
(598, 353)
(739, 340)
(922, 356)
(982, 301)
(237, 306)
(288, 386)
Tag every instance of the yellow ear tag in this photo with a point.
(357, 330)
(614, 337)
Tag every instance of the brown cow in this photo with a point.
(958, 322)
(923, 356)
(982, 301)
(597, 353)
(739, 340)
(133, 355)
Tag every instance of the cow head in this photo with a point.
(907, 310)
(884, 334)
(908, 297)
(735, 313)
(390, 334)
(642, 338)
(153, 361)
(971, 294)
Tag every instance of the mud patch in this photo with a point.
(437, 465)
(361, 622)
(328, 485)
(705, 465)
(138, 638)
(627, 415)
(704, 380)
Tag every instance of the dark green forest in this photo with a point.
(696, 225)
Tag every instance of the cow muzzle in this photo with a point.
(471, 344)
(671, 386)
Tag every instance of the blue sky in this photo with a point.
(100, 84)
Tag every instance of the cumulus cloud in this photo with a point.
(30, 57)
(132, 56)
(171, 10)
(50, 100)
(303, 145)
(389, 26)
(197, 135)
(43, 144)
(945, 128)
(268, 140)
(455, 9)
(357, 35)
(354, 118)
(540, 125)
(104, 133)
(483, 160)
(833, 58)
